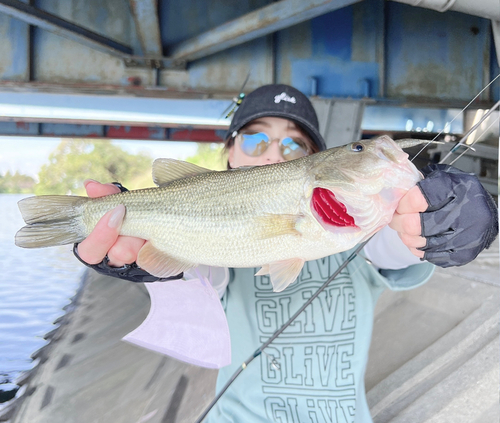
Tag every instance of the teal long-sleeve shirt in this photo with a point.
(314, 371)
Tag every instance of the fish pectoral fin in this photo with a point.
(283, 273)
(160, 264)
(271, 225)
(168, 170)
(264, 270)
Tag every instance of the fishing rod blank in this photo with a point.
(280, 330)
(259, 350)
(470, 131)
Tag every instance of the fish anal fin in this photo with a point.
(168, 170)
(160, 264)
(271, 225)
(283, 273)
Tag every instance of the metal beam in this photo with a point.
(56, 25)
(495, 25)
(112, 110)
(122, 132)
(145, 14)
(258, 23)
(86, 88)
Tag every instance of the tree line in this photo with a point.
(12, 183)
(74, 161)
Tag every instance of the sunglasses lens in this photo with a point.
(293, 149)
(254, 144)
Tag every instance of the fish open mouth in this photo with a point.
(329, 210)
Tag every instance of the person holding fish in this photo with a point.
(315, 369)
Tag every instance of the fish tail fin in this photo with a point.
(51, 220)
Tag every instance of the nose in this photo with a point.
(273, 153)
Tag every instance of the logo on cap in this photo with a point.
(284, 97)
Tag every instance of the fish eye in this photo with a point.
(357, 147)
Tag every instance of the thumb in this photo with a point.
(412, 202)
(95, 247)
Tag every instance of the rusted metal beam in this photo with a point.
(86, 88)
(145, 14)
(258, 23)
(56, 25)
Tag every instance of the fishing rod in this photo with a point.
(259, 350)
(458, 114)
(353, 255)
(462, 141)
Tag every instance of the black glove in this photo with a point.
(130, 272)
(462, 218)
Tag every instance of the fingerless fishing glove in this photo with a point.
(462, 217)
(130, 272)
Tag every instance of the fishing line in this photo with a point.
(470, 146)
(259, 350)
(470, 131)
(456, 116)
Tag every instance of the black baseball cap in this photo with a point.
(278, 100)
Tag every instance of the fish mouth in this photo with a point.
(329, 211)
(391, 151)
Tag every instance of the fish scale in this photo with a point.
(260, 216)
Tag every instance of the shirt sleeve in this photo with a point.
(218, 276)
(386, 251)
(394, 265)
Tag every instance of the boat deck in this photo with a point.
(434, 358)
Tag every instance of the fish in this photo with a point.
(275, 217)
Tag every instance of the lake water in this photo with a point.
(35, 285)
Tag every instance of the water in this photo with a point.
(34, 287)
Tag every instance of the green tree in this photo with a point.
(16, 183)
(73, 161)
(210, 156)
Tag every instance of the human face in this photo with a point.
(277, 129)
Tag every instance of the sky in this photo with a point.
(28, 154)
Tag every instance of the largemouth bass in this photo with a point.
(276, 216)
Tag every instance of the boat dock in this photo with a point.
(434, 358)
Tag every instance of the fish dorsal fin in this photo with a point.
(168, 170)
(282, 273)
(160, 264)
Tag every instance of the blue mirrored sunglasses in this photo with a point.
(255, 144)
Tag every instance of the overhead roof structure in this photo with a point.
(167, 70)
(439, 54)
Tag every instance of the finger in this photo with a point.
(96, 189)
(406, 223)
(412, 241)
(412, 202)
(95, 247)
(418, 253)
(125, 250)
